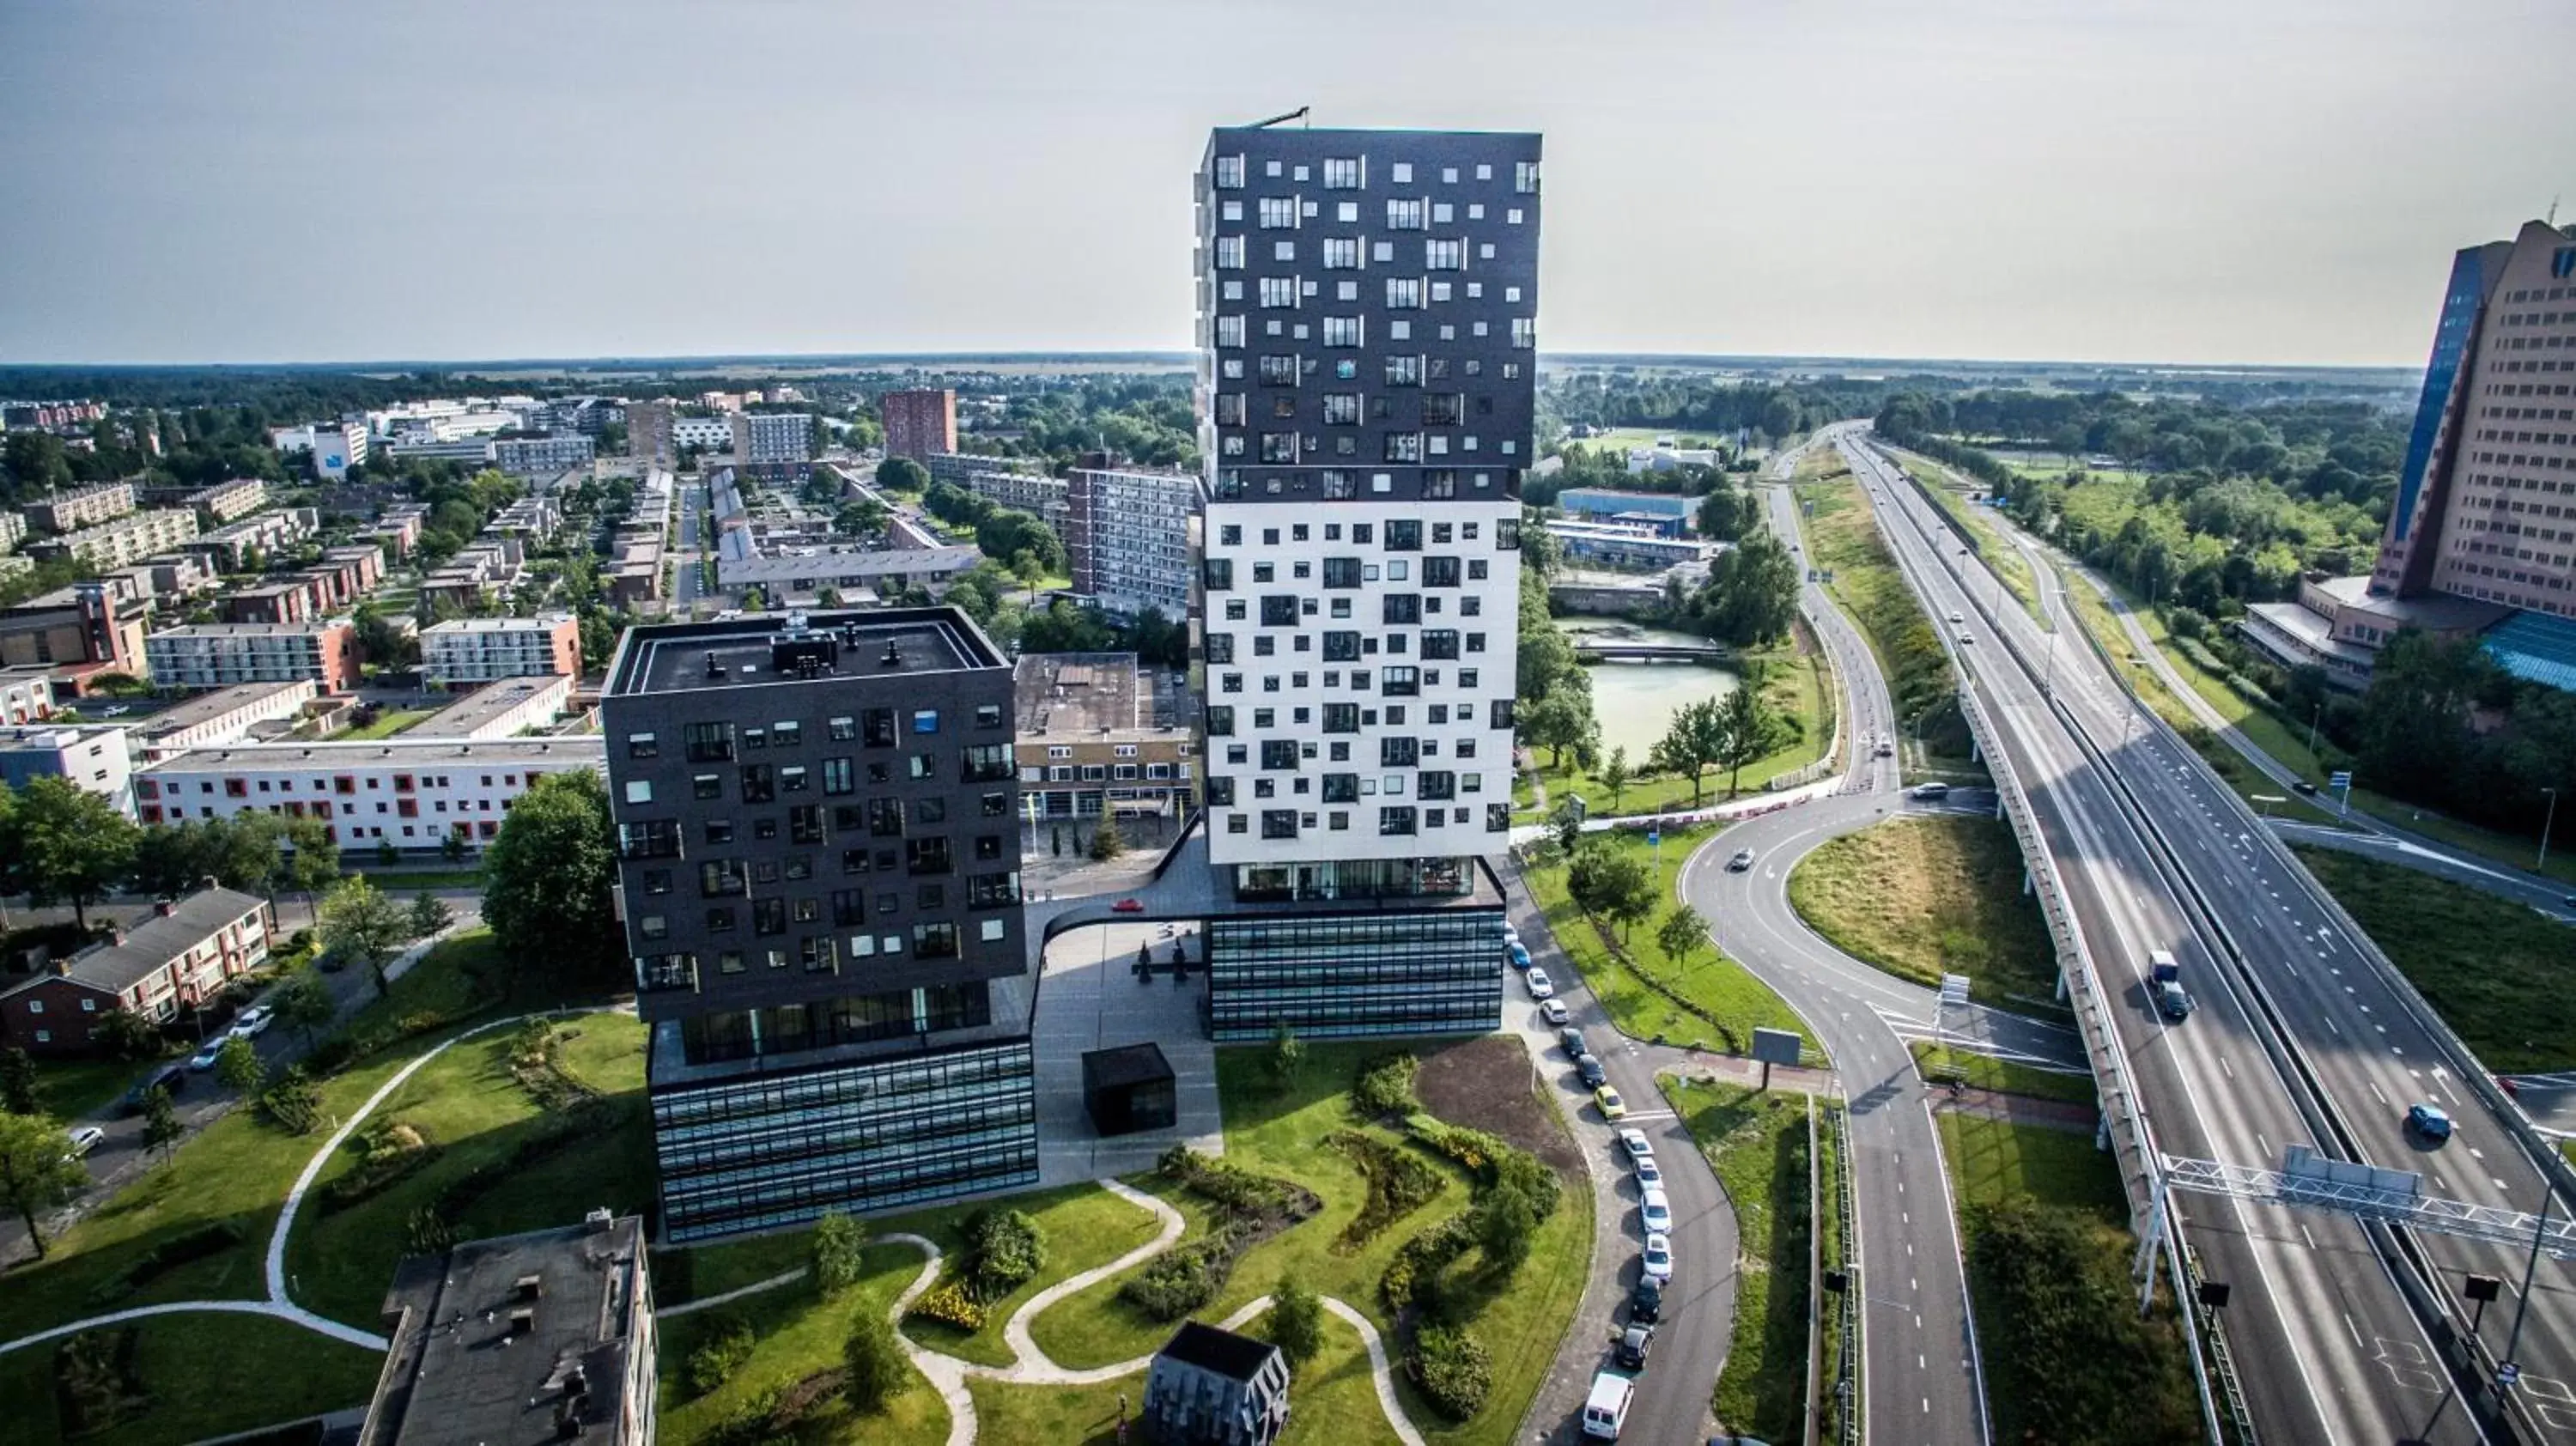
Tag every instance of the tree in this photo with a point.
(1696, 739)
(37, 1170)
(1296, 1320)
(1752, 731)
(874, 1364)
(452, 848)
(1026, 567)
(293, 1100)
(429, 914)
(1681, 934)
(1003, 1249)
(161, 1126)
(72, 844)
(1751, 596)
(1725, 513)
(1106, 842)
(902, 474)
(19, 1093)
(1561, 720)
(840, 1248)
(546, 879)
(239, 1066)
(1614, 775)
(1565, 829)
(303, 1002)
(1614, 884)
(126, 1034)
(361, 925)
(1287, 1055)
(1503, 1220)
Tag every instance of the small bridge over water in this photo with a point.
(1613, 651)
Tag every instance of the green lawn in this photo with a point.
(192, 1374)
(2001, 1076)
(1924, 897)
(1799, 686)
(1084, 1226)
(799, 1333)
(1757, 1143)
(1709, 1000)
(1281, 1133)
(387, 724)
(2495, 971)
(1991, 1160)
(1331, 1403)
(71, 1088)
(394, 881)
(467, 1104)
(710, 1270)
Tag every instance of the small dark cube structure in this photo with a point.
(1211, 1387)
(1129, 1089)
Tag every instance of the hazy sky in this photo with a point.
(2254, 180)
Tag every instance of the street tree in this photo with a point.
(239, 1066)
(1614, 775)
(1296, 1320)
(19, 1092)
(902, 474)
(1503, 1220)
(72, 844)
(429, 914)
(1561, 720)
(1695, 740)
(1682, 934)
(1287, 1056)
(361, 925)
(546, 879)
(161, 1126)
(840, 1247)
(37, 1170)
(304, 1003)
(1612, 884)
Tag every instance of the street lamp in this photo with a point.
(2546, 820)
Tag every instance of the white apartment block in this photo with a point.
(92, 758)
(81, 507)
(220, 655)
(713, 434)
(543, 456)
(502, 709)
(123, 540)
(1127, 535)
(480, 650)
(335, 448)
(410, 795)
(13, 529)
(1031, 492)
(226, 715)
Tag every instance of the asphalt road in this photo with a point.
(2327, 1345)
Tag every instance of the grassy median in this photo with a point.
(1757, 1143)
(1927, 896)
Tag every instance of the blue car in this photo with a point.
(2429, 1121)
(1520, 956)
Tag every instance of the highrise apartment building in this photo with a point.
(771, 439)
(1128, 537)
(818, 871)
(1367, 316)
(919, 422)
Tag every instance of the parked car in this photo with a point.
(1554, 1011)
(1571, 1040)
(1612, 1107)
(170, 1080)
(1646, 1301)
(204, 1059)
(1648, 1172)
(1519, 956)
(85, 1139)
(1511, 935)
(1743, 860)
(1654, 1210)
(1634, 1342)
(1658, 1263)
(1634, 1142)
(1540, 986)
(1589, 1070)
(2428, 1120)
(254, 1021)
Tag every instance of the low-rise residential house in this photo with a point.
(411, 795)
(295, 599)
(172, 960)
(238, 546)
(1211, 1387)
(799, 578)
(26, 694)
(226, 715)
(85, 629)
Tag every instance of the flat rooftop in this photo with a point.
(488, 704)
(585, 750)
(1074, 696)
(2434, 612)
(677, 657)
(543, 623)
(207, 707)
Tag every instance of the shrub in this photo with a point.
(1452, 1370)
(293, 1101)
(1410, 1277)
(1181, 1279)
(840, 1245)
(184, 1248)
(729, 1343)
(1385, 1086)
(1003, 1249)
(872, 1363)
(1399, 1183)
(949, 1303)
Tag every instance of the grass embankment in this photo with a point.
(1708, 1000)
(1842, 537)
(1999, 1076)
(184, 1378)
(1797, 683)
(1281, 1133)
(1948, 492)
(798, 1332)
(2067, 1356)
(1757, 1143)
(1924, 897)
(2494, 970)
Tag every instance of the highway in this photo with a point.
(2328, 1347)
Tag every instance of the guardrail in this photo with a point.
(1850, 1421)
(1813, 1415)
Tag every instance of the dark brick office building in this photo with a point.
(819, 880)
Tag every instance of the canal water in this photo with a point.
(1636, 701)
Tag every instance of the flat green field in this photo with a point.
(1924, 897)
(188, 1378)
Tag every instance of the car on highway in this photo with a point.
(1743, 860)
(2429, 1120)
(1519, 956)
(1654, 1210)
(1648, 1172)
(1540, 986)
(1571, 1039)
(254, 1021)
(2302, 786)
(85, 1139)
(1929, 791)
(1884, 749)
(115, 710)
(1634, 1142)
(1634, 1342)
(1612, 1106)
(1646, 1302)
(2172, 1001)
(1128, 906)
(1958, 618)
(1658, 1260)
(204, 1059)
(1554, 1011)
(169, 1080)
(1589, 1070)
(1966, 637)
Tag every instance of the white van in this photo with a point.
(1606, 1409)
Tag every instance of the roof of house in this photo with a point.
(153, 942)
(1234, 1357)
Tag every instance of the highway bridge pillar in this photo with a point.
(2027, 883)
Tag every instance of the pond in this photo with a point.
(1636, 701)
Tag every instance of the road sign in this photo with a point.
(2341, 778)
(2506, 1375)
(1654, 837)
(1954, 991)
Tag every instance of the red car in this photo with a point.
(1128, 906)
